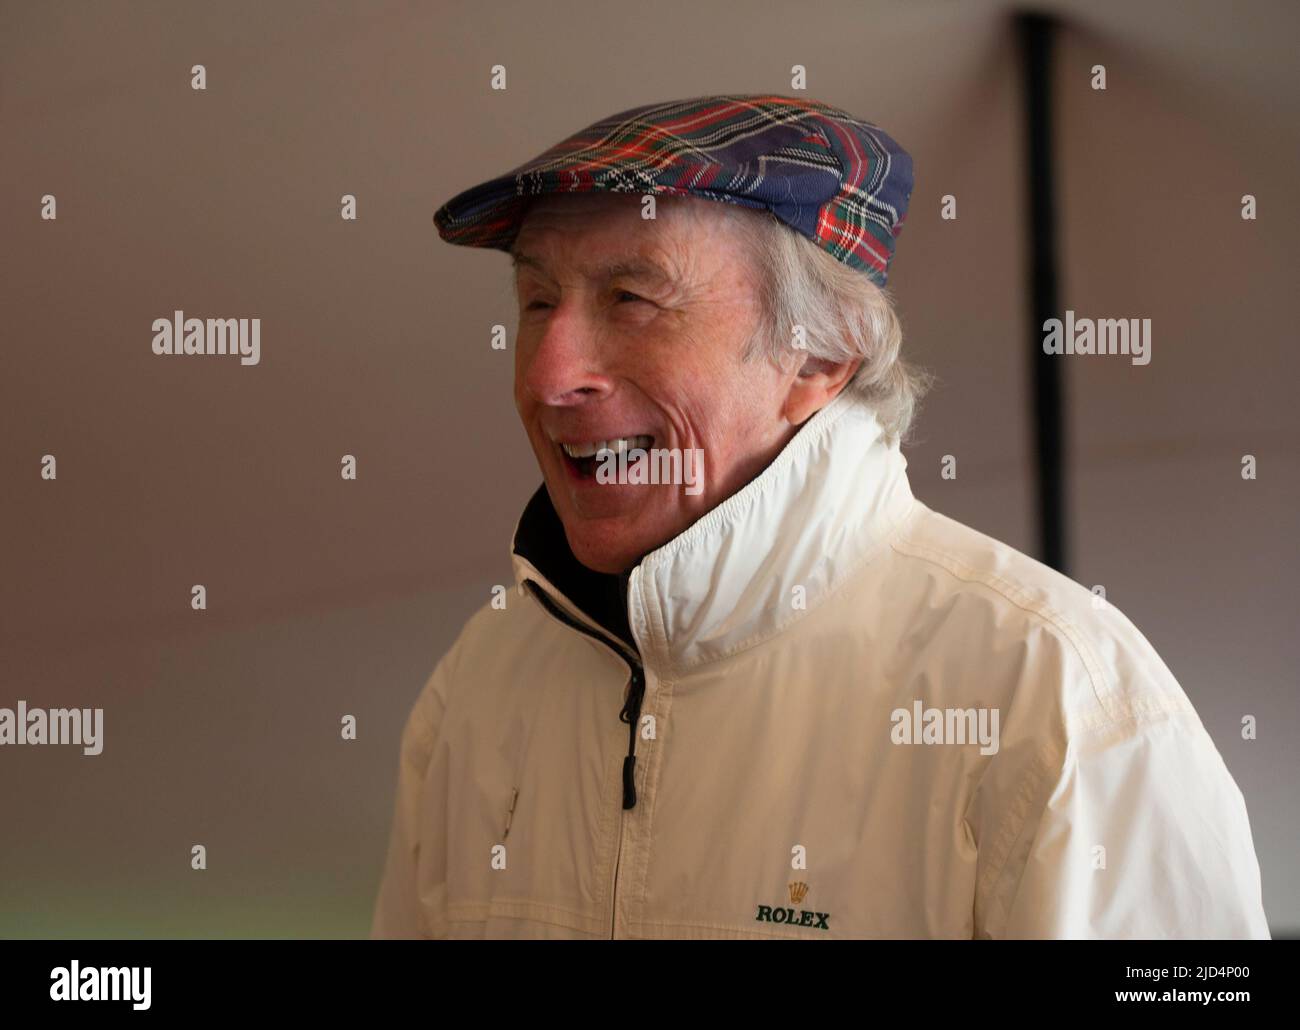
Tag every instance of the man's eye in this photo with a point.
(623, 297)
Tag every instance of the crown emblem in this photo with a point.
(798, 892)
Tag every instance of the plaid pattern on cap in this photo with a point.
(841, 182)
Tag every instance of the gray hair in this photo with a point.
(843, 313)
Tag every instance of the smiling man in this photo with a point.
(793, 701)
(628, 337)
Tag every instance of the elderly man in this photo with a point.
(785, 698)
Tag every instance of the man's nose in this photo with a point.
(565, 365)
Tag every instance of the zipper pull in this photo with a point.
(632, 703)
(630, 714)
(629, 781)
(510, 815)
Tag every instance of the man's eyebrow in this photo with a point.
(629, 268)
(518, 259)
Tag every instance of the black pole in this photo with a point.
(1036, 33)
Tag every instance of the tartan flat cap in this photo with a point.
(841, 182)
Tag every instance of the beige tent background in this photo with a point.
(329, 598)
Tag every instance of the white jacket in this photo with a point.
(785, 641)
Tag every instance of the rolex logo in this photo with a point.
(790, 917)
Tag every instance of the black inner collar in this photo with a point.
(601, 596)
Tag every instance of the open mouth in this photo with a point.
(582, 458)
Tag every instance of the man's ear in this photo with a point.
(815, 385)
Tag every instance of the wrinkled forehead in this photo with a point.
(682, 234)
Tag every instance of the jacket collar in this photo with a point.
(810, 519)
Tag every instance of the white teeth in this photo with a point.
(623, 443)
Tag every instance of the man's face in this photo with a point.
(632, 327)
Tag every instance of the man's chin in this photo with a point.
(606, 545)
(603, 557)
(611, 531)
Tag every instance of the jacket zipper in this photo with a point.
(630, 714)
